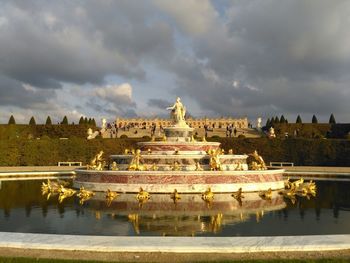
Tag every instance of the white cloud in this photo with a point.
(115, 93)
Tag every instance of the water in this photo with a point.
(24, 209)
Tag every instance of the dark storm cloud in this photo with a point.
(15, 93)
(289, 56)
(244, 57)
(47, 43)
(159, 103)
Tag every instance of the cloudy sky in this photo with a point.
(132, 58)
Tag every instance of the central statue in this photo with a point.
(177, 114)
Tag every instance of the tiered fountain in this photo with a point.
(179, 162)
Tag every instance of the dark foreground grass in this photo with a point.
(26, 260)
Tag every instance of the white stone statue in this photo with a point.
(258, 123)
(177, 114)
(92, 134)
(104, 124)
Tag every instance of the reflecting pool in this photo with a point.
(24, 209)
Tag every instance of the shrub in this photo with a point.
(124, 136)
(241, 136)
(12, 120)
(48, 121)
(32, 121)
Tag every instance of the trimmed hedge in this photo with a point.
(46, 151)
(22, 131)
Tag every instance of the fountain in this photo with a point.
(179, 163)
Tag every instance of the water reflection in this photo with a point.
(24, 209)
(188, 216)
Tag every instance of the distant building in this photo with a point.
(212, 123)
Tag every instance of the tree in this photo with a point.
(268, 123)
(298, 119)
(32, 121)
(48, 121)
(282, 120)
(314, 119)
(89, 121)
(65, 120)
(85, 120)
(81, 120)
(12, 120)
(332, 119)
(277, 120)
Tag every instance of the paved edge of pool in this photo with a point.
(174, 244)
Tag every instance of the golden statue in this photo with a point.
(175, 196)
(176, 166)
(215, 164)
(142, 196)
(266, 195)
(64, 193)
(208, 195)
(49, 188)
(126, 151)
(97, 162)
(84, 195)
(239, 166)
(114, 166)
(110, 196)
(135, 164)
(193, 139)
(238, 195)
(230, 151)
(149, 151)
(203, 139)
(259, 163)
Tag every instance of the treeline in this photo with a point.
(318, 152)
(82, 121)
(282, 120)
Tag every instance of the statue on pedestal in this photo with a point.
(178, 112)
(272, 133)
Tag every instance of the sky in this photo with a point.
(104, 58)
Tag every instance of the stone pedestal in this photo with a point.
(179, 134)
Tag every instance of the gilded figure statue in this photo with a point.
(114, 166)
(97, 162)
(259, 163)
(215, 164)
(135, 164)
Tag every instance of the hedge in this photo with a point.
(46, 151)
